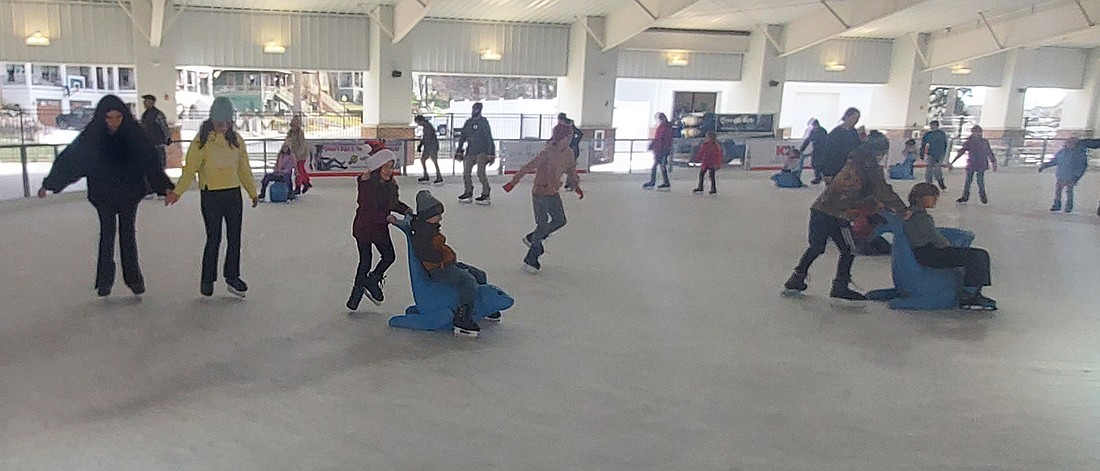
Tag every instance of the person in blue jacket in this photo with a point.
(1072, 161)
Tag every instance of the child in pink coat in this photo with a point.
(710, 155)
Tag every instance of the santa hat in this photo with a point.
(376, 161)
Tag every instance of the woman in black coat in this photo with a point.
(121, 166)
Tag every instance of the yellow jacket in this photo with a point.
(219, 166)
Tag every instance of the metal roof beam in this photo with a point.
(638, 16)
(837, 20)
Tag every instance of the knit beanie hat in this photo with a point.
(221, 109)
(376, 161)
(877, 144)
(427, 206)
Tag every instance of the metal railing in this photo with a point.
(22, 165)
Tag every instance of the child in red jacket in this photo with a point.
(377, 198)
(710, 155)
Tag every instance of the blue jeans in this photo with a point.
(549, 217)
(970, 179)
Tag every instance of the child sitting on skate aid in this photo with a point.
(790, 176)
(447, 292)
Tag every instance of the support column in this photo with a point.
(155, 73)
(762, 76)
(903, 106)
(1003, 110)
(387, 99)
(1079, 110)
(587, 92)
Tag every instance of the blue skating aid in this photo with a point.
(436, 302)
(278, 193)
(788, 180)
(917, 287)
(902, 171)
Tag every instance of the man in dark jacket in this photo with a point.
(429, 149)
(841, 142)
(859, 186)
(817, 137)
(481, 152)
(155, 125)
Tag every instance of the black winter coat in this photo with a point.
(120, 169)
(839, 146)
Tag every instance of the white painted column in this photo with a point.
(762, 76)
(387, 99)
(1004, 106)
(1079, 110)
(587, 92)
(903, 104)
(154, 67)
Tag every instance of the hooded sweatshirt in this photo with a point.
(662, 139)
(860, 184)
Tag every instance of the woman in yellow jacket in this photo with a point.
(218, 156)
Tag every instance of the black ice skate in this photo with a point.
(698, 190)
(977, 302)
(795, 285)
(466, 198)
(138, 288)
(845, 295)
(648, 186)
(494, 317)
(356, 296)
(664, 187)
(424, 180)
(464, 324)
(374, 288)
(438, 181)
(236, 286)
(483, 200)
(206, 289)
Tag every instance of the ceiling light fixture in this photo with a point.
(960, 70)
(38, 39)
(835, 67)
(677, 62)
(490, 55)
(274, 48)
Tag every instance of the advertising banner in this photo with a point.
(348, 156)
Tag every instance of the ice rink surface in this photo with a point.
(655, 338)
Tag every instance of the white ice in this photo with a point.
(655, 338)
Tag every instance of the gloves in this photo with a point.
(580, 194)
(508, 187)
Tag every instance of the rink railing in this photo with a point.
(629, 156)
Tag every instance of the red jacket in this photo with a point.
(710, 155)
(376, 201)
(662, 140)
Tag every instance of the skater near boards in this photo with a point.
(429, 149)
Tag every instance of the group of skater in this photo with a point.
(123, 162)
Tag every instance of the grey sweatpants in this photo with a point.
(481, 161)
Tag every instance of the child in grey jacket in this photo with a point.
(933, 250)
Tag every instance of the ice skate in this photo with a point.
(1057, 206)
(463, 323)
(843, 296)
(236, 286)
(664, 187)
(206, 289)
(356, 296)
(137, 288)
(531, 266)
(648, 186)
(373, 288)
(483, 200)
(697, 191)
(795, 285)
(494, 317)
(423, 180)
(466, 198)
(713, 191)
(977, 302)
(438, 181)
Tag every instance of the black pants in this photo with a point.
(713, 183)
(387, 257)
(218, 206)
(117, 219)
(660, 162)
(975, 262)
(822, 228)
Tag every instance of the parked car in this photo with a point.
(76, 119)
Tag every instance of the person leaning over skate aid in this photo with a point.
(927, 259)
(449, 294)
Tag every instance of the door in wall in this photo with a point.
(692, 102)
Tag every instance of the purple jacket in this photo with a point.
(981, 154)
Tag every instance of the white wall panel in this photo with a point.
(1054, 67)
(233, 39)
(79, 33)
(453, 47)
(867, 61)
(701, 66)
